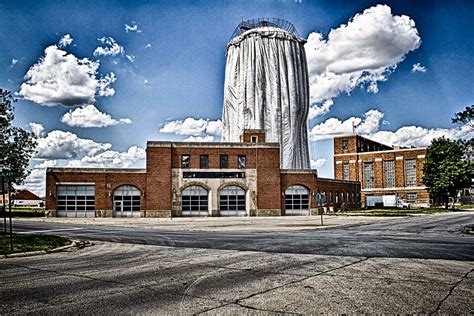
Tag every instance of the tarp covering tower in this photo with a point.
(266, 87)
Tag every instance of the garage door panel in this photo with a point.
(75, 201)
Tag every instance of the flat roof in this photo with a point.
(91, 170)
(210, 144)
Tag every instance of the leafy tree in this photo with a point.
(446, 170)
(16, 144)
(465, 117)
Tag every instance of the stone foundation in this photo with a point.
(157, 213)
(103, 213)
(267, 212)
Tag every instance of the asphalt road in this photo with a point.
(419, 265)
(425, 237)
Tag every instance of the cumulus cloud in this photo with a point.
(90, 116)
(418, 67)
(318, 163)
(360, 53)
(111, 48)
(193, 127)
(37, 129)
(107, 159)
(65, 40)
(35, 182)
(333, 126)
(419, 136)
(368, 126)
(320, 109)
(148, 45)
(132, 28)
(206, 138)
(59, 144)
(60, 78)
(110, 159)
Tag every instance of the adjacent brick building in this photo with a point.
(381, 169)
(198, 179)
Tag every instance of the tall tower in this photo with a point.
(266, 87)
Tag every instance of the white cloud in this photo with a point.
(65, 40)
(206, 138)
(418, 67)
(148, 45)
(318, 163)
(320, 109)
(14, 62)
(131, 58)
(333, 126)
(111, 159)
(37, 129)
(419, 136)
(90, 116)
(193, 127)
(35, 182)
(132, 28)
(362, 52)
(59, 78)
(404, 136)
(65, 145)
(111, 48)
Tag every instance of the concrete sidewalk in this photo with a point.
(284, 223)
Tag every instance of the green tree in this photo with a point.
(16, 144)
(446, 170)
(465, 117)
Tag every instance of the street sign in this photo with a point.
(6, 173)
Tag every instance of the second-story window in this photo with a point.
(203, 161)
(241, 161)
(345, 145)
(345, 171)
(410, 173)
(223, 161)
(369, 182)
(185, 161)
(254, 139)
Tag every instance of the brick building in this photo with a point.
(198, 179)
(381, 169)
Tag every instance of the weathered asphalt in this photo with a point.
(410, 265)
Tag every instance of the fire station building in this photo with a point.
(198, 179)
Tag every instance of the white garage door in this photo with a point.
(195, 201)
(127, 201)
(75, 201)
(296, 200)
(232, 201)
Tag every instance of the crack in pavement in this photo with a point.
(451, 290)
(238, 301)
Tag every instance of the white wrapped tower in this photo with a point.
(266, 87)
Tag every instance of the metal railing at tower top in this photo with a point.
(244, 26)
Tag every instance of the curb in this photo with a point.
(75, 243)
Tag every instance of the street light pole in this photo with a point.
(3, 204)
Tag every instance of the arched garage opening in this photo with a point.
(127, 201)
(195, 201)
(296, 200)
(232, 201)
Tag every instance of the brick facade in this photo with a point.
(355, 153)
(172, 167)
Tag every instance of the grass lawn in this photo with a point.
(465, 206)
(393, 212)
(30, 242)
(24, 212)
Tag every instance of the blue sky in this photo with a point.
(171, 67)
